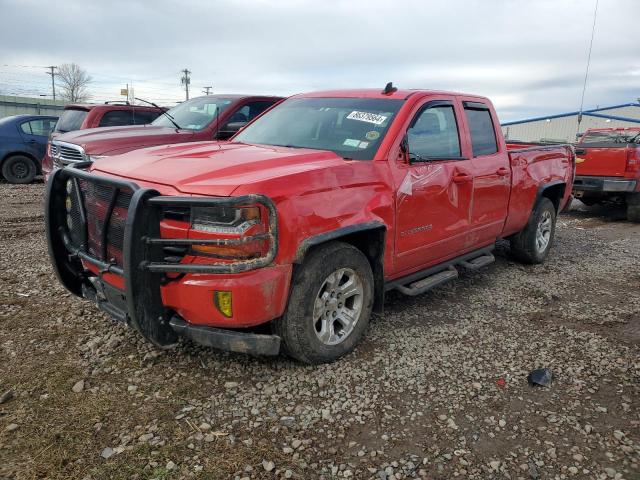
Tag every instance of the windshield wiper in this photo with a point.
(285, 146)
(164, 112)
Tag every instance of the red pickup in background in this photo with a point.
(304, 220)
(213, 117)
(608, 168)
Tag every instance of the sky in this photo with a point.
(527, 56)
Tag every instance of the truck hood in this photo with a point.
(116, 140)
(214, 168)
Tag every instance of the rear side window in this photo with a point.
(610, 138)
(38, 127)
(483, 135)
(116, 118)
(145, 116)
(71, 120)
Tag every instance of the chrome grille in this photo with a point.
(65, 153)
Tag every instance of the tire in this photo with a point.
(532, 244)
(19, 169)
(633, 207)
(335, 267)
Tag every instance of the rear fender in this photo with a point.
(554, 191)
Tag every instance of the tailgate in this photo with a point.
(601, 161)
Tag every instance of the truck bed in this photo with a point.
(531, 166)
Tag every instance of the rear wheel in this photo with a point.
(19, 169)
(633, 207)
(329, 306)
(532, 244)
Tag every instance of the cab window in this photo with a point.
(483, 134)
(433, 134)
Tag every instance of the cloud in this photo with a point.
(529, 57)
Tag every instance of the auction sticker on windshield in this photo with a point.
(367, 117)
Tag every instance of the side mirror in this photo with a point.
(229, 129)
(403, 154)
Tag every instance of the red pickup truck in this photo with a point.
(608, 168)
(81, 116)
(202, 118)
(287, 237)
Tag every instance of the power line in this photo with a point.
(586, 74)
(185, 80)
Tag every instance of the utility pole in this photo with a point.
(53, 79)
(186, 81)
(207, 90)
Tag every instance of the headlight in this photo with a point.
(224, 219)
(232, 223)
(93, 158)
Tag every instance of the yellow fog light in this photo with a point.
(67, 203)
(222, 301)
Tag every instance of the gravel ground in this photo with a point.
(436, 390)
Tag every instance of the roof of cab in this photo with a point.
(400, 94)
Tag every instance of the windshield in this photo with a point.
(611, 138)
(350, 127)
(194, 114)
(70, 120)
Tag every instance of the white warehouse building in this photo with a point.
(564, 127)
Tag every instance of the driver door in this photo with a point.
(433, 196)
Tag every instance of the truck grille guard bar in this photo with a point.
(142, 250)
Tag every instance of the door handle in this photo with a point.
(31, 141)
(462, 178)
(502, 171)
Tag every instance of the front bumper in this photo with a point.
(585, 183)
(145, 291)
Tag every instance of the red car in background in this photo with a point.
(212, 117)
(81, 116)
(608, 168)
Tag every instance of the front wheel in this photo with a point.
(19, 169)
(329, 306)
(532, 244)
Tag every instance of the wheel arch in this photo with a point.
(554, 191)
(367, 237)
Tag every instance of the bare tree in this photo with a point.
(73, 82)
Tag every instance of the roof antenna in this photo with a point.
(586, 74)
(389, 89)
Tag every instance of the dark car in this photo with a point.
(23, 140)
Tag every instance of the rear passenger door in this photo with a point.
(433, 197)
(491, 171)
(35, 134)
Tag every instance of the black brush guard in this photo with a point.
(140, 305)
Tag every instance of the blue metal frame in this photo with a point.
(589, 113)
